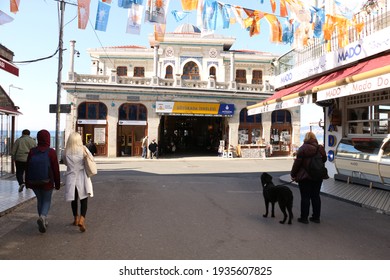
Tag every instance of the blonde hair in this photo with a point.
(309, 135)
(74, 144)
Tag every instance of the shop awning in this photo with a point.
(363, 70)
(9, 111)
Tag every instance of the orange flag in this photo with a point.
(107, 1)
(189, 5)
(83, 13)
(159, 32)
(273, 5)
(283, 8)
(276, 28)
(14, 6)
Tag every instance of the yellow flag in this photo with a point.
(189, 5)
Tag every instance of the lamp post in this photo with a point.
(12, 86)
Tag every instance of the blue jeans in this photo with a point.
(43, 200)
(144, 152)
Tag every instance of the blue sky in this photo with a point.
(34, 34)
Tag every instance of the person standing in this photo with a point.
(144, 145)
(19, 152)
(92, 147)
(43, 190)
(153, 147)
(309, 187)
(78, 186)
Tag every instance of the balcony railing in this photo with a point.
(144, 81)
(376, 20)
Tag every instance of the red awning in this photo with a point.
(361, 67)
(9, 111)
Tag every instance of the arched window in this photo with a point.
(281, 116)
(169, 72)
(191, 71)
(132, 112)
(213, 72)
(92, 111)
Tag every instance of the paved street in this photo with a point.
(192, 209)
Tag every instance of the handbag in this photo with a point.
(89, 163)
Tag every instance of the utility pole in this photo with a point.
(60, 52)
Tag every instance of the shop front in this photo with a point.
(92, 125)
(192, 127)
(132, 127)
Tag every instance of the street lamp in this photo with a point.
(12, 86)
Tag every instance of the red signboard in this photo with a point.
(9, 67)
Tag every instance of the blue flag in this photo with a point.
(127, 3)
(179, 15)
(102, 16)
(209, 15)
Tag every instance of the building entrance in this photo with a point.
(191, 135)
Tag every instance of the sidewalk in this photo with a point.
(376, 199)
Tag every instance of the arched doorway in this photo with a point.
(92, 124)
(132, 127)
(281, 128)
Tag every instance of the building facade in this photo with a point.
(188, 92)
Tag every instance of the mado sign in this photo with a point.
(376, 83)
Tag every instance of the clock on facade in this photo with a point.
(213, 53)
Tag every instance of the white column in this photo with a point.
(232, 83)
(155, 66)
(71, 66)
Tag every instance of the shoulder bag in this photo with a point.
(89, 163)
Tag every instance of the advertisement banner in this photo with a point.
(195, 108)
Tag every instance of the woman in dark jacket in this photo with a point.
(44, 191)
(309, 187)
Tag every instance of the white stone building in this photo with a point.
(188, 90)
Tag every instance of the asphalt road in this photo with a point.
(192, 210)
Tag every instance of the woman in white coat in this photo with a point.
(78, 185)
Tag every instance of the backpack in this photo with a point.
(38, 168)
(317, 167)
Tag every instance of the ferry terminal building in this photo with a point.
(188, 91)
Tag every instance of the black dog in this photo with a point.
(281, 194)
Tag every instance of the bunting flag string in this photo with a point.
(297, 22)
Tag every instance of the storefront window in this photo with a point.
(370, 120)
(250, 130)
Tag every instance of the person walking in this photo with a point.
(78, 186)
(144, 145)
(309, 187)
(43, 175)
(19, 152)
(153, 147)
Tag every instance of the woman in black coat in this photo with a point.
(309, 187)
